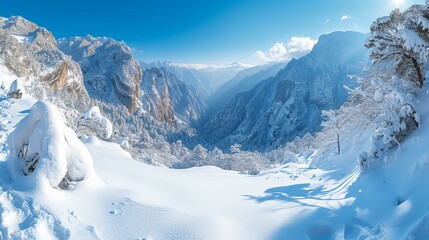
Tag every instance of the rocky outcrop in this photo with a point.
(156, 97)
(31, 52)
(165, 94)
(111, 73)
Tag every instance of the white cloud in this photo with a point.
(294, 48)
(327, 21)
(299, 45)
(277, 52)
(345, 17)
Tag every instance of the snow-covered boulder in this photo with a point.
(92, 123)
(44, 150)
(16, 89)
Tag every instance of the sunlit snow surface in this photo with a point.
(126, 199)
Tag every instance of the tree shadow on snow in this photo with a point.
(315, 212)
(297, 194)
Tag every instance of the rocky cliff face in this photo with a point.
(159, 84)
(156, 97)
(288, 105)
(31, 52)
(111, 73)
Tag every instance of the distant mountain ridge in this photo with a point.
(288, 105)
(245, 80)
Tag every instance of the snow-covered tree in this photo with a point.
(235, 148)
(402, 39)
(397, 120)
(92, 123)
(124, 142)
(198, 157)
(178, 150)
(280, 155)
(334, 126)
(217, 158)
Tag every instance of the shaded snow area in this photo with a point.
(116, 197)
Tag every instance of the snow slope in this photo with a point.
(134, 200)
(316, 197)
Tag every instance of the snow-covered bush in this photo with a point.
(92, 123)
(43, 150)
(16, 89)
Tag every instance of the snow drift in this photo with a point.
(43, 150)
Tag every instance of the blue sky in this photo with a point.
(203, 31)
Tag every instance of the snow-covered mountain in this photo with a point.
(31, 53)
(206, 79)
(363, 176)
(168, 97)
(245, 80)
(289, 104)
(199, 80)
(111, 73)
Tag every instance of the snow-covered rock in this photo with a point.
(44, 151)
(111, 73)
(290, 104)
(92, 123)
(16, 89)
